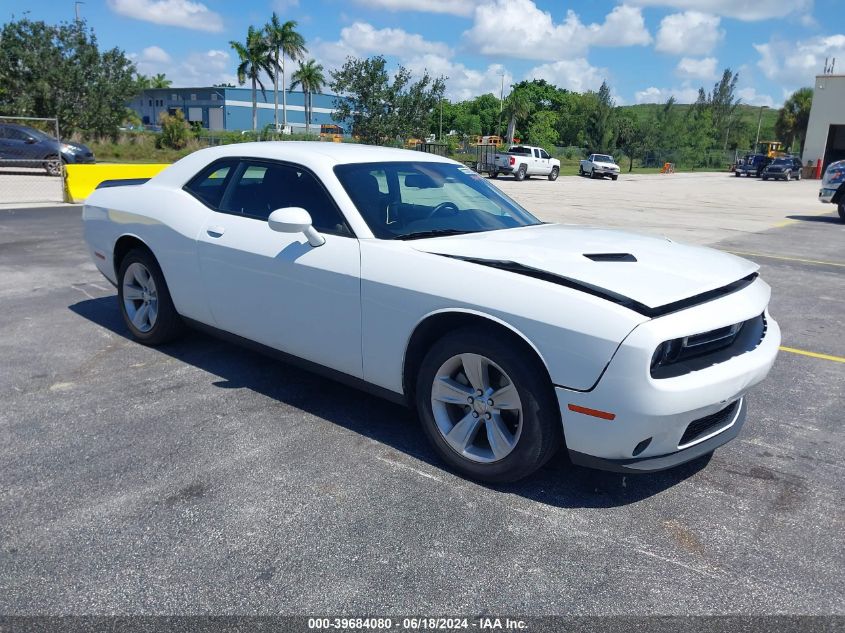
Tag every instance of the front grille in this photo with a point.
(706, 425)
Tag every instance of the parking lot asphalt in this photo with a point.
(201, 478)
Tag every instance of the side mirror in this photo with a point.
(30, 140)
(295, 220)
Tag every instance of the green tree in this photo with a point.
(143, 82)
(175, 131)
(518, 108)
(793, 117)
(542, 130)
(254, 56)
(284, 41)
(310, 76)
(59, 71)
(599, 127)
(628, 136)
(160, 81)
(379, 109)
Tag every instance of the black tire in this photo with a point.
(798, 177)
(541, 434)
(494, 175)
(736, 173)
(580, 170)
(614, 177)
(592, 174)
(842, 211)
(788, 176)
(53, 165)
(168, 324)
(520, 173)
(554, 174)
(765, 177)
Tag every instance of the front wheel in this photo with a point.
(485, 407)
(592, 173)
(554, 174)
(53, 165)
(614, 177)
(842, 211)
(788, 176)
(765, 177)
(520, 173)
(145, 301)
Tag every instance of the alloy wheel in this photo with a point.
(140, 297)
(477, 408)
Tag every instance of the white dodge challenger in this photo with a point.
(409, 275)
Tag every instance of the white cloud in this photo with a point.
(517, 28)
(197, 69)
(575, 74)
(690, 33)
(796, 64)
(184, 13)
(750, 96)
(690, 68)
(462, 83)
(685, 94)
(155, 54)
(363, 39)
(453, 7)
(748, 10)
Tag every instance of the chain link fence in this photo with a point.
(31, 166)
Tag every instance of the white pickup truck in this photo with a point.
(524, 161)
(599, 166)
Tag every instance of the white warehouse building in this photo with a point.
(826, 129)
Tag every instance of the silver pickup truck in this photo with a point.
(524, 161)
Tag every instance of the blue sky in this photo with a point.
(647, 50)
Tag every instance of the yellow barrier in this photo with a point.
(81, 180)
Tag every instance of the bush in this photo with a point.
(175, 131)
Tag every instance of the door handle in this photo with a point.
(215, 231)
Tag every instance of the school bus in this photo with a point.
(331, 132)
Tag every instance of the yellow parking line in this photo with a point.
(780, 225)
(789, 259)
(835, 359)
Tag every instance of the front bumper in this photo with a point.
(79, 158)
(658, 412)
(826, 195)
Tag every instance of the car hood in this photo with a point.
(651, 271)
(608, 165)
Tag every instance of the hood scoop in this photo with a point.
(610, 257)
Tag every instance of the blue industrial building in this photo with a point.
(231, 108)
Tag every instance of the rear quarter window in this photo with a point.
(210, 183)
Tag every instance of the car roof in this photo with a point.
(316, 155)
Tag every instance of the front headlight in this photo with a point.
(68, 148)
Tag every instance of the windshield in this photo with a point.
(36, 134)
(603, 158)
(781, 161)
(403, 200)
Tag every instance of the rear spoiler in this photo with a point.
(121, 182)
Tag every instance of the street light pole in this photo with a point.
(501, 105)
(759, 123)
(440, 136)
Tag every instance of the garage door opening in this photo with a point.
(835, 148)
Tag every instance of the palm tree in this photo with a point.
(310, 77)
(254, 58)
(284, 40)
(160, 81)
(519, 107)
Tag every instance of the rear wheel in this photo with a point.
(494, 174)
(485, 407)
(520, 173)
(765, 177)
(798, 177)
(736, 173)
(580, 170)
(554, 173)
(614, 177)
(842, 211)
(145, 301)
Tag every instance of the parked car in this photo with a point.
(752, 165)
(524, 161)
(833, 186)
(599, 166)
(23, 146)
(410, 275)
(784, 168)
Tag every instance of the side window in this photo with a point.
(16, 135)
(208, 185)
(544, 154)
(536, 153)
(258, 188)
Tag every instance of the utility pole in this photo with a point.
(501, 104)
(440, 136)
(759, 123)
(76, 9)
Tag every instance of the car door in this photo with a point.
(534, 164)
(275, 288)
(13, 144)
(545, 163)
